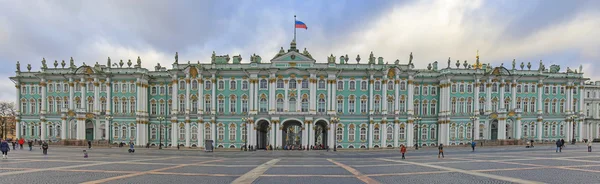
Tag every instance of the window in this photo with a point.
(453, 108)
(377, 86)
(481, 129)
(416, 106)
(232, 132)
(481, 87)
(351, 133)
(321, 84)
(292, 104)
(207, 132)
(507, 89)
(424, 133)
(546, 106)
(494, 87)
(339, 134)
(263, 84)
(263, 104)
(453, 88)
(50, 105)
(194, 85)
(153, 108)
(153, 90)
(546, 129)
(182, 107)
(221, 132)
(221, 85)
(363, 134)
(433, 107)
(243, 131)
(462, 88)
(194, 105)
(416, 90)
(453, 132)
(207, 85)
(469, 88)
(90, 105)
(432, 133)
(532, 88)
(232, 85)
(562, 90)
(546, 90)
(181, 85)
(321, 104)
(461, 132)
(340, 104)
(244, 85)
(554, 107)
(363, 85)
(363, 105)
(532, 105)
(525, 131)
(376, 133)
(78, 87)
(402, 86)
(554, 90)
(390, 105)
(304, 105)
(292, 84)
(401, 132)
(351, 104)
(553, 130)
(232, 104)
(207, 105)
(389, 133)
(279, 84)
(194, 133)
(390, 86)
(425, 90)
(280, 104)
(221, 104)
(526, 88)
(124, 105)
(244, 104)
(340, 85)
(469, 105)
(433, 91)
(123, 132)
(162, 90)
(562, 130)
(304, 84)
(377, 104)
(469, 132)
(51, 88)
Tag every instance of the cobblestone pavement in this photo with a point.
(486, 165)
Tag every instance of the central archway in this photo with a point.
(494, 130)
(89, 130)
(292, 133)
(321, 135)
(262, 134)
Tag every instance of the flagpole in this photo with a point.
(294, 28)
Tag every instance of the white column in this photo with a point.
(580, 130)
(106, 127)
(513, 97)
(370, 135)
(327, 97)
(488, 98)
(83, 84)
(476, 97)
(213, 132)
(298, 97)
(383, 135)
(370, 111)
(383, 100)
(251, 97)
(272, 135)
(43, 133)
(409, 130)
(333, 97)
(278, 134)
(305, 134)
(519, 127)
(540, 102)
(313, 95)
(187, 97)
(187, 134)
(18, 104)
(286, 103)
(108, 99)
(139, 133)
(271, 96)
(96, 98)
(174, 137)
(201, 133)
(396, 128)
(501, 100)
(63, 129)
(200, 104)
(411, 94)
(311, 134)
(44, 98)
(539, 130)
(72, 94)
(396, 99)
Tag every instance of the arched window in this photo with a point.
(376, 133)
(181, 85)
(304, 84)
(244, 85)
(351, 133)
(50, 105)
(562, 130)
(377, 86)
(377, 104)
(243, 131)
(304, 104)
(433, 133)
(424, 133)
(363, 85)
(363, 134)
(280, 104)
(153, 132)
(401, 133)
(390, 133)
(532, 127)
(132, 133)
(351, 104)
(352, 85)
(321, 84)
(553, 130)
(233, 104)
(263, 84)
(207, 84)
(280, 84)
(194, 86)
(263, 104)
(402, 104)
(469, 132)
(50, 131)
(207, 132)
(232, 132)
(390, 86)
(221, 85)
(525, 131)
(363, 104)
(244, 104)
(292, 84)
(339, 134)
(453, 132)
(58, 131)
(232, 85)
(321, 107)
(207, 103)
(221, 132)
(123, 132)
(461, 131)
(546, 130)
(390, 105)
(292, 104)
(194, 105)
(340, 85)
(402, 85)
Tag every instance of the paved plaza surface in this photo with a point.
(486, 165)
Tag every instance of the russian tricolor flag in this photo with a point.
(300, 24)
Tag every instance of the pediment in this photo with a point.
(292, 56)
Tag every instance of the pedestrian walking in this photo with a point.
(89, 144)
(403, 151)
(589, 146)
(85, 154)
(441, 150)
(473, 145)
(30, 144)
(562, 143)
(14, 143)
(21, 142)
(45, 148)
(4, 147)
(558, 146)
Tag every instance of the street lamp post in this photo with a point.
(160, 120)
(244, 119)
(418, 119)
(109, 119)
(335, 120)
(473, 118)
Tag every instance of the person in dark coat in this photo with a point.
(45, 148)
(441, 151)
(4, 147)
(562, 143)
(14, 143)
(89, 144)
(558, 146)
(30, 144)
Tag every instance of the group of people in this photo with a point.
(5, 147)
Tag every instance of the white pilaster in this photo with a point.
(409, 131)
(396, 128)
(370, 135)
(383, 135)
(43, 134)
(187, 134)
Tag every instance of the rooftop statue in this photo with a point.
(542, 67)
(410, 58)
(108, 62)
(448, 62)
(358, 58)
(176, 58)
(522, 65)
(305, 53)
(139, 62)
(331, 59)
(397, 62)
(121, 64)
(554, 68)
(129, 63)
(458, 64)
(581, 68)
(72, 63)
(528, 65)
(513, 64)
(62, 64)
(18, 66)
(465, 64)
(44, 63)
(371, 58)
(569, 70)
(346, 58)
(29, 67)
(55, 63)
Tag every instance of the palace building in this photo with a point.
(295, 100)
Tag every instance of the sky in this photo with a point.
(566, 33)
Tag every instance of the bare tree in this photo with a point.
(7, 112)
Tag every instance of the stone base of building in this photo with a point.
(500, 142)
